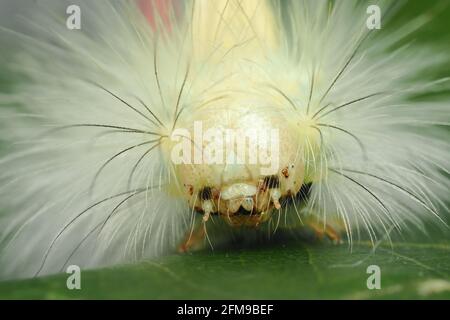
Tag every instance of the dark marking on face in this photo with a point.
(243, 212)
(285, 172)
(271, 182)
(205, 193)
(190, 189)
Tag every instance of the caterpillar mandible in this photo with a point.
(166, 125)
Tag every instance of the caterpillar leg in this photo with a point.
(322, 230)
(196, 237)
(193, 239)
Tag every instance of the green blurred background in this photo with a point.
(415, 267)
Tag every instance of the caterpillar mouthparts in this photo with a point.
(238, 201)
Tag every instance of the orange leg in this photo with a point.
(320, 231)
(193, 239)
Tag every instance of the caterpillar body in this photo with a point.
(104, 165)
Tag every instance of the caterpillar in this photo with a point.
(165, 125)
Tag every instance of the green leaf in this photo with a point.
(294, 271)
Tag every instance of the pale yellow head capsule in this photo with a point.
(239, 163)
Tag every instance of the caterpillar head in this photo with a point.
(240, 163)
